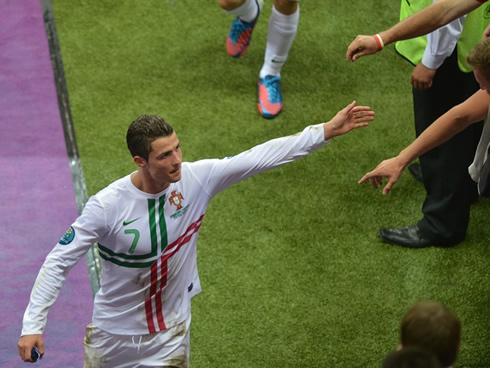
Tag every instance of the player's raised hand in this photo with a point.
(349, 118)
(391, 169)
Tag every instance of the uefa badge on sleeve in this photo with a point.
(68, 237)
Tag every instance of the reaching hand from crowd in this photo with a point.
(391, 169)
(361, 46)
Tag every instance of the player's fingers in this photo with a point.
(357, 55)
(22, 351)
(371, 179)
(374, 178)
(364, 116)
(388, 187)
(358, 125)
(374, 182)
(363, 179)
(350, 51)
(25, 354)
(40, 346)
(350, 107)
(361, 108)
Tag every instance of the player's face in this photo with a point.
(164, 161)
(480, 78)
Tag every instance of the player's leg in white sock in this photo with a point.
(246, 10)
(281, 33)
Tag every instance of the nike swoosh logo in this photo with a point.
(130, 222)
(277, 61)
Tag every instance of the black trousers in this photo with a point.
(450, 190)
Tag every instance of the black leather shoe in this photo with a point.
(408, 237)
(416, 172)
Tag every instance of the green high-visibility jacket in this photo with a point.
(474, 25)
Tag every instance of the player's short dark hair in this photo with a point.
(411, 357)
(143, 131)
(432, 326)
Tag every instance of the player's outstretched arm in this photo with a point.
(347, 119)
(27, 343)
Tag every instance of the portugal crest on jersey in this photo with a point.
(176, 199)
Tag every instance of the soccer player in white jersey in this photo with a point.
(146, 226)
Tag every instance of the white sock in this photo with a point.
(281, 33)
(247, 11)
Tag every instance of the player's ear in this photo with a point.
(140, 161)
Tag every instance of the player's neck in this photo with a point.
(146, 184)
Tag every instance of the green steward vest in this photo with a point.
(474, 25)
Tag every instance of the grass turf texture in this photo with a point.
(293, 271)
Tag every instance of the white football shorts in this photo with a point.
(169, 348)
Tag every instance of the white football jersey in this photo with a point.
(147, 242)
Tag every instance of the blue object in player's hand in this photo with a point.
(35, 355)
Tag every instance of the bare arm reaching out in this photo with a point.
(421, 23)
(472, 110)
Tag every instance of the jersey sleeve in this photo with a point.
(74, 244)
(441, 43)
(218, 174)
